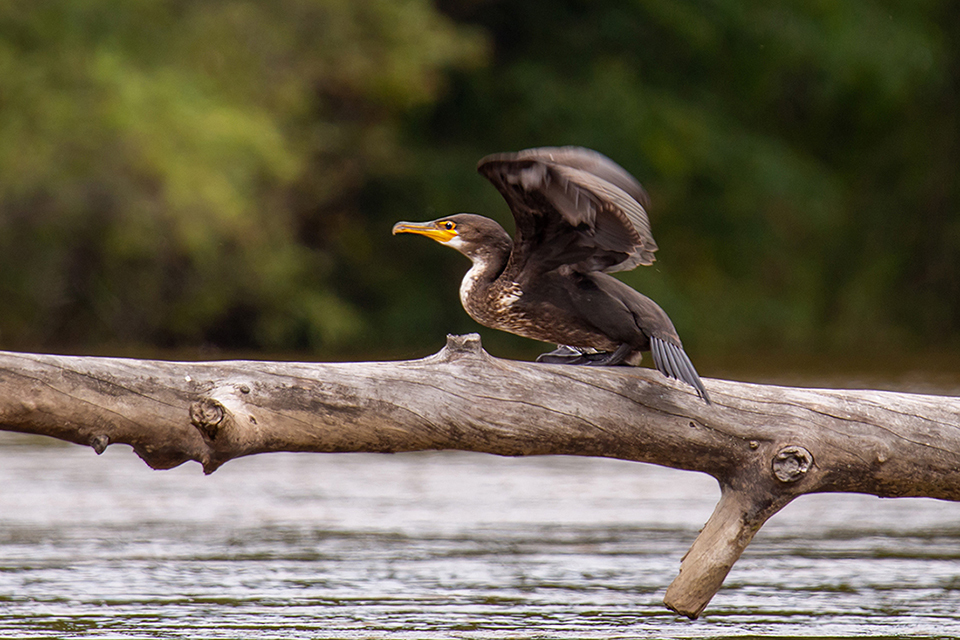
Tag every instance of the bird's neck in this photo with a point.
(487, 267)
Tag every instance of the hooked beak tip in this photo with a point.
(405, 227)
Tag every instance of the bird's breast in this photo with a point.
(503, 304)
(490, 303)
(507, 296)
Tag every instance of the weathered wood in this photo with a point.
(765, 445)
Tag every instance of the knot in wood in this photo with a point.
(791, 463)
(206, 415)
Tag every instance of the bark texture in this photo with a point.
(764, 444)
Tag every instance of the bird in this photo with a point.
(579, 217)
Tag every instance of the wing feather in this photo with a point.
(592, 162)
(582, 203)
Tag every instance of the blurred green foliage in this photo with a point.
(176, 172)
(182, 174)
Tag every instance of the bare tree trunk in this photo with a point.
(765, 445)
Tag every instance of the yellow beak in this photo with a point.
(430, 229)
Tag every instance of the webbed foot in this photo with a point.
(611, 359)
(564, 355)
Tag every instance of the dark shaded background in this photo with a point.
(221, 177)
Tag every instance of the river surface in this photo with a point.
(441, 545)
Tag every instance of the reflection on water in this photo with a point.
(441, 545)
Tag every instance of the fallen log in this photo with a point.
(764, 444)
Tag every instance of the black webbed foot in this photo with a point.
(611, 359)
(564, 355)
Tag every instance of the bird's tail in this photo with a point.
(671, 360)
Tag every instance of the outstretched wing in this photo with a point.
(572, 206)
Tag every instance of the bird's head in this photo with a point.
(474, 236)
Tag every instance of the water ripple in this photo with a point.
(442, 546)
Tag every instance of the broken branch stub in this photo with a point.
(765, 445)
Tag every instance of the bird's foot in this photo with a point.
(612, 358)
(565, 355)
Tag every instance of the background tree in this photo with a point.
(226, 173)
(174, 172)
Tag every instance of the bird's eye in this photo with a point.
(449, 226)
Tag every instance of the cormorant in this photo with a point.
(579, 216)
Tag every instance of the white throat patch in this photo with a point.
(454, 242)
(470, 280)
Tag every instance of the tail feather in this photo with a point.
(671, 360)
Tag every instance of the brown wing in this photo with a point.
(572, 206)
(591, 162)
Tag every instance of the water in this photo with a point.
(441, 545)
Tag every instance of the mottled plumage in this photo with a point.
(579, 216)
